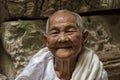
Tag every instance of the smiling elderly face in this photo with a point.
(64, 38)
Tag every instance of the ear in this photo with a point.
(85, 36)
(45, 38)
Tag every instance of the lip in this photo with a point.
(68, 47)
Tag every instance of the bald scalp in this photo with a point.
(62, 17)
(77, 18)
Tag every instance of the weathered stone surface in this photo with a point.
(111, 60)
(44, 8)
(102, 4)
(4, 14)
(105, 43)
(2, 77)
(16, 9)
(6, 64)
(21, 40)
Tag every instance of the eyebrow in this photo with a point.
(71, 26)
(54, 28)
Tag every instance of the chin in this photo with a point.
(63, 57)
(64, 54)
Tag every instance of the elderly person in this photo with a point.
(65, 57)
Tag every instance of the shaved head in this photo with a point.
(63, 13)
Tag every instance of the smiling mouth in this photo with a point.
(66, 47)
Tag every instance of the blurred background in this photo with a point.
(22, 23)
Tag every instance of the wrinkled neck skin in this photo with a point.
(65, 67)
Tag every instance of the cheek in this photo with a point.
(78, 43)
(51, 41)
(77, 40)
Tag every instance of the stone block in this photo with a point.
(21, 40)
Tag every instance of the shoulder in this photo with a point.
(91, 52)
(42, 55)
(22, 78)
(104, 75)
(36, 64)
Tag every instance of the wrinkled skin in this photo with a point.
(65, 41)
(64, 38)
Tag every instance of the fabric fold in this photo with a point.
(41, 67)
(88, 67)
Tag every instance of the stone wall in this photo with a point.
(22, 39)
(104, 39)
(23, 23)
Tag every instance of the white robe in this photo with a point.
(40, 67)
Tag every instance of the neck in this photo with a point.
(64, 68)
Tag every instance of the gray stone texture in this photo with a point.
(21, 40)
(21, 36)
(104, 39)
(44, 8)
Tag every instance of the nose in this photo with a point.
(62, 37)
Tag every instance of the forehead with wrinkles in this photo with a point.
(61, 18)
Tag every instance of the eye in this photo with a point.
(54, 32)
(71, 30)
